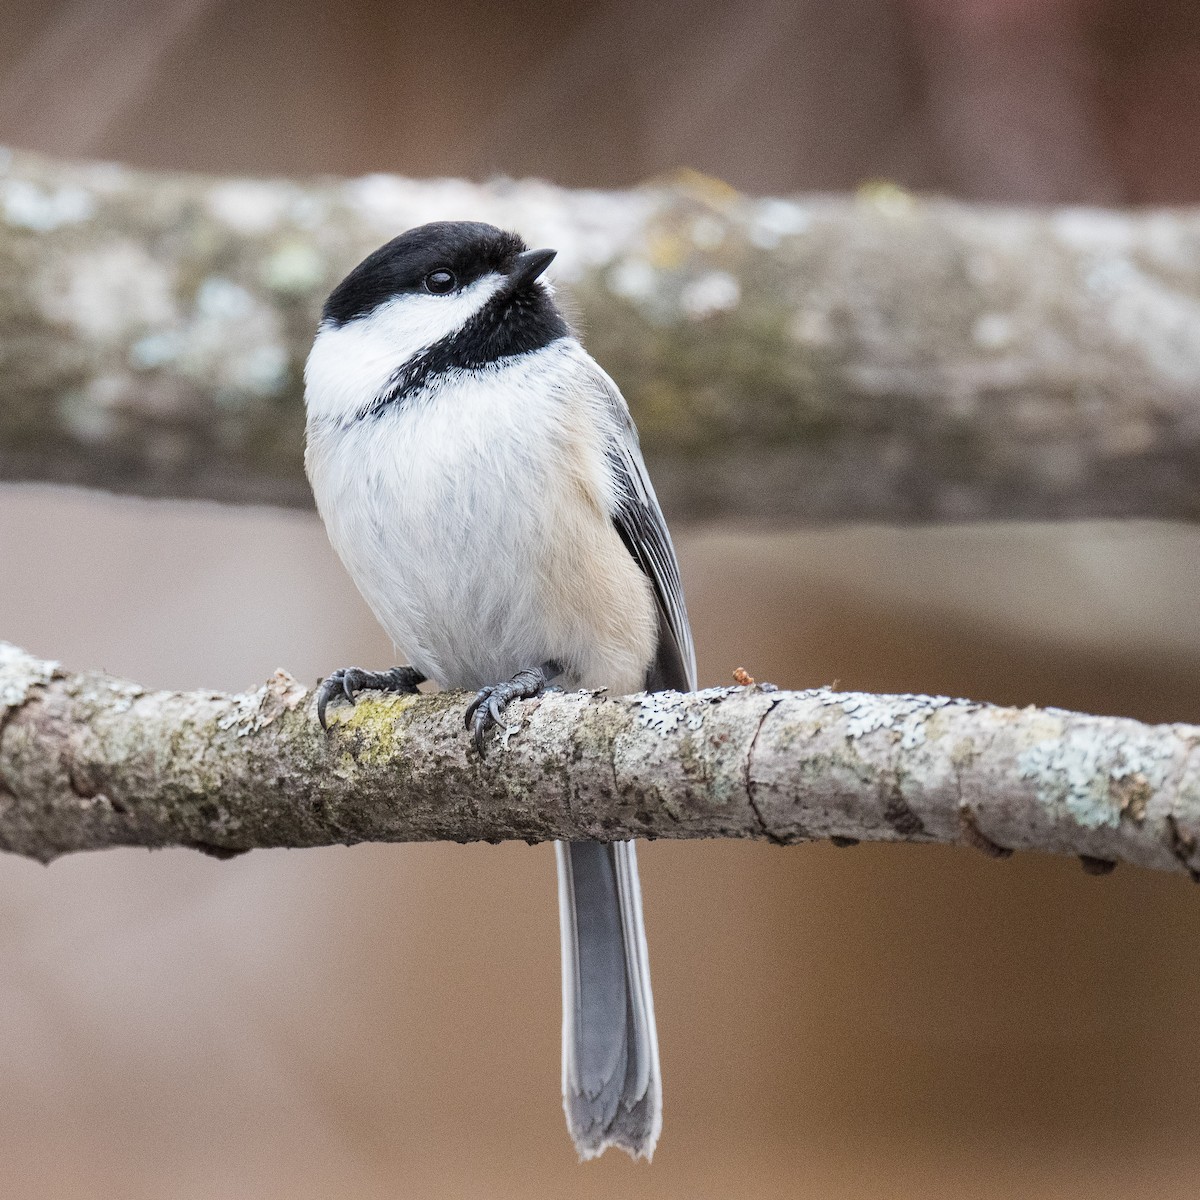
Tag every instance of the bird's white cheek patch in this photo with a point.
(351, 364)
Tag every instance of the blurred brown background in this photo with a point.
(384, 1021)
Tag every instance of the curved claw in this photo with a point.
(479, 730)
(482, 695)
(330, 686)
(486, 710)
(347, 682)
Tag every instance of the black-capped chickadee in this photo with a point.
(480, 478)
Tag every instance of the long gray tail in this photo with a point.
(612, 1088)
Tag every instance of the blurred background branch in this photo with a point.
(89, 762)
(881, 356)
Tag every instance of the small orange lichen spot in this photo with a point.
(742, 677)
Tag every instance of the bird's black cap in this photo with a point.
(466, 250)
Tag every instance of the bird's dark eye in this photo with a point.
(440, 282)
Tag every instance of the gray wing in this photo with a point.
(639, 520)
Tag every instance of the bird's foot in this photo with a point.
(349, 681)
(487, 709)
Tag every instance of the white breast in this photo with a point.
(474, 520)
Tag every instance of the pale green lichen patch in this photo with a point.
(156, 350)
(26, 205)
(20, 673)
(380, 724)
(294, 268)
(1095, 776)
(249, 206)
(712, 292)
(120, 697)
(772, 220)
(665, 712)
(633, 279)
(904, 715)
(110, 292)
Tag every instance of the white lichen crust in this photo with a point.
(88, 762)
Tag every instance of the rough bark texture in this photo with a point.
(880, 356)
(88, 762)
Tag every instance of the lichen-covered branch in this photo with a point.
(87, 762)
(881, 356)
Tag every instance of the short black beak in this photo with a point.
(528, 266)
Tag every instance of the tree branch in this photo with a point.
(881, 356)
(88, 762)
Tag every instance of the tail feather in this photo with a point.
(612, 1089)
